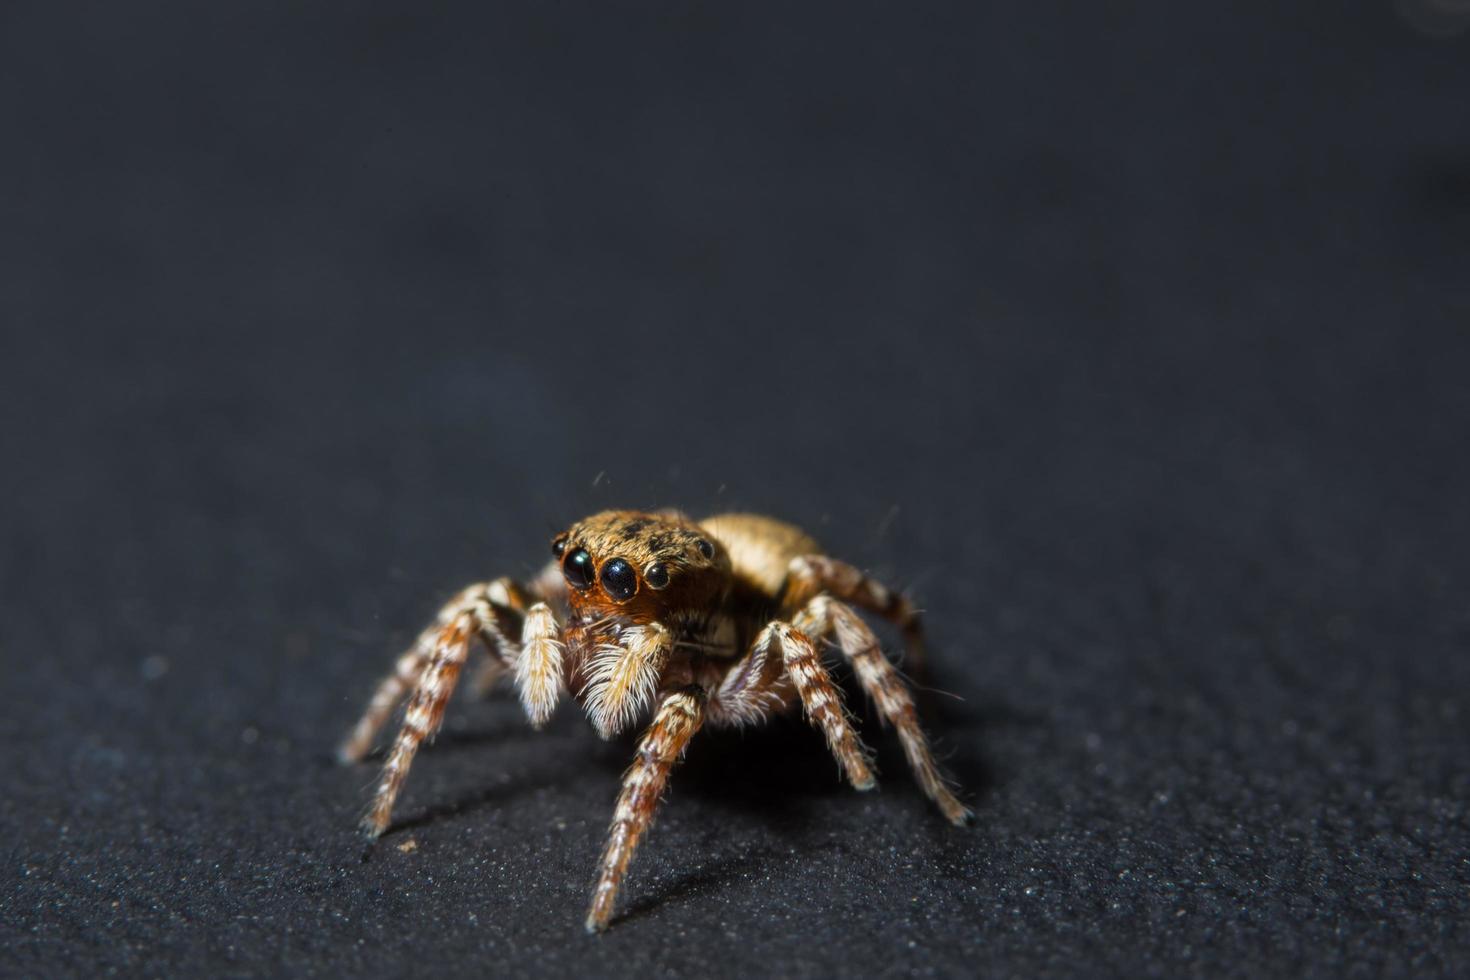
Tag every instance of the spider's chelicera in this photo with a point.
(716, 622)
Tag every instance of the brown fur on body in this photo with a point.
(713, 606)
(723, 626)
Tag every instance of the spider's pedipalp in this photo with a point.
(622, 677)
(882, 682)
(678, 718)
(821, 700)
(538, 669)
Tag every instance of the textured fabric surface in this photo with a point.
(1133, 345)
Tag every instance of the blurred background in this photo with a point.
(1132, 342)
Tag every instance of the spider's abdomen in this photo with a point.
(760, 550)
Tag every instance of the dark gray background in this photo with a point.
(1133, 343)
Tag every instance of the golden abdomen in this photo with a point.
(760, 548)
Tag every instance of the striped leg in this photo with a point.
(678, 718)
(510, 616)
(549, 586)
(822, 701)
(496, 607)
(425, 712)
(812, 575)
(883, 683)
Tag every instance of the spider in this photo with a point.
(712, 622)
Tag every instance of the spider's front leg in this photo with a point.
(496, 609)
(548, 586)
(435, 664)
(679, 716)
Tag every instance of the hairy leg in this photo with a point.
(813, 575)
(496, 608)
(548, 586)
(679, 716)
(422, 718)
(883, 683)
(538, 665)
(821, 700)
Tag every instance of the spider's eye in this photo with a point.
(558, 547)
(619, 579)
(578, 569)
(705, 548)
(656, 575)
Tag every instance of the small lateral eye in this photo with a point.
(656, 575)
(577, 567)
(705, 548)
(558, 547)
(619, 580)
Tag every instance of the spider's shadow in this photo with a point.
(779, 768)
(492, 724)
(506, 731)
(470, 802)
(706, 880)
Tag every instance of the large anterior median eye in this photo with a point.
(619, 579)
(577, 567)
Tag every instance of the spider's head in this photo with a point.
(640, 567)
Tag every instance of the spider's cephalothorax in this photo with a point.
(719, 622)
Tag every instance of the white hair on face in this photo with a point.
(622, 677)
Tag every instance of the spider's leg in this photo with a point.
(811, 575)
(547, 586)
(821, 700)
(678, 718)
(783, 657)
(885, 685)
(497, 608)
(425, 711)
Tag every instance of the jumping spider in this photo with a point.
(712, 622)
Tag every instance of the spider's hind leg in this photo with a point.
(882, 682)
(821, 700)
(812, 575)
